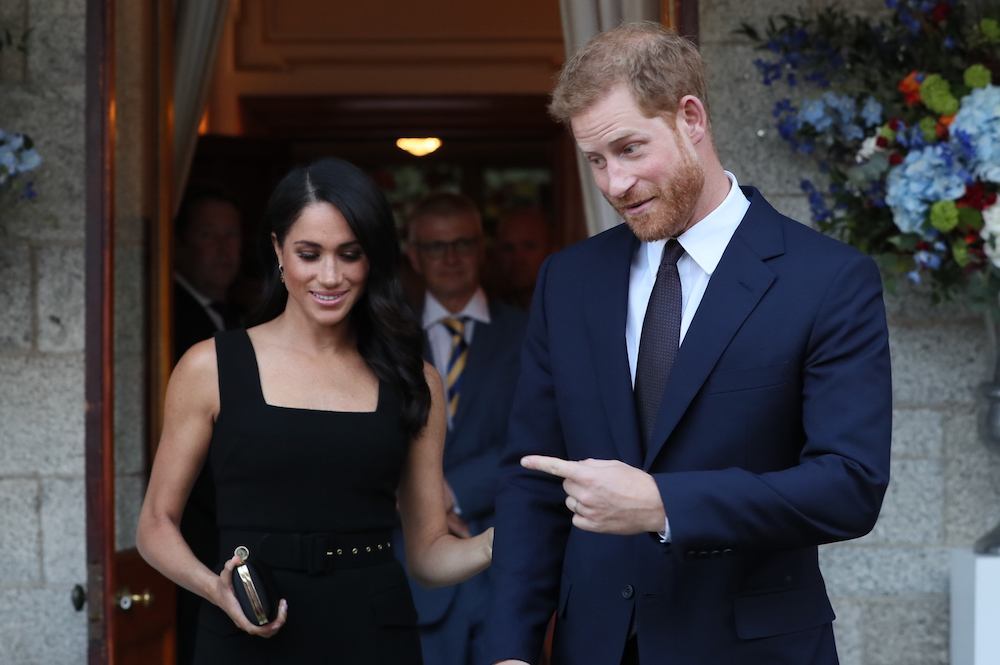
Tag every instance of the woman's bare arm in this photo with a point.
(434, 556)
(192, 404)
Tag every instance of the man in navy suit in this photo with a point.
(704, 399)
(475, 345)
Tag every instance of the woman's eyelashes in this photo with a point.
(349, 255)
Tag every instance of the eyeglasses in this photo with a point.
(460, 246)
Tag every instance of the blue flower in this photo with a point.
(928, 260)
(781, 107)
(814, 113)
(871, 112)
(817, 204)
(976, 131)
(924, 177)
(769, 71)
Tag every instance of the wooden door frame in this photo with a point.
(99, 326)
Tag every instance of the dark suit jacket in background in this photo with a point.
(772, 438)
(474, 443)
(191, 323)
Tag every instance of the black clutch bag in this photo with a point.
(254, 589)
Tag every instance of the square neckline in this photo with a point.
(260, 390)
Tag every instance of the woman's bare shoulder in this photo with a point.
(197, 373)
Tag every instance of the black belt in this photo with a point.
(312, 553)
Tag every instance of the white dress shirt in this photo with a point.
(704, 243)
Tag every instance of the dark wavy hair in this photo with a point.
(389, 338)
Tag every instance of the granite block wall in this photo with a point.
(890, 589)
(42, 518)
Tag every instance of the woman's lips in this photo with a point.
(328, 299)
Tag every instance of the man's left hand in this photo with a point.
(606, 496)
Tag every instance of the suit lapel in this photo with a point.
(605, 315)
(737, 285)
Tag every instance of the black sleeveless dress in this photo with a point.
(312, 494)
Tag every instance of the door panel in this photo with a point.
(143, 616)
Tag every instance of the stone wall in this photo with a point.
(42, 509)
(890, 589)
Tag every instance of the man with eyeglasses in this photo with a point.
(475, 345)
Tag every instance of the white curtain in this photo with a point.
(196, 43)
(581, 20)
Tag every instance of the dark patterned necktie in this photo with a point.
(661, 335)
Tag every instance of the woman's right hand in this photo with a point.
(226, 600)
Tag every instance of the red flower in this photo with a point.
(896, 124)
(910, 87)
(940, 12)
(895, 158)
(976, 197)
(882, 142)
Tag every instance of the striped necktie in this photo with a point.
(456, 362)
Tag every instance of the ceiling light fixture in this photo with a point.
(419, 147)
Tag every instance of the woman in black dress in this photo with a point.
(314, 424)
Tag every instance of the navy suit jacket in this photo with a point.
(772, 438)
(474, 443)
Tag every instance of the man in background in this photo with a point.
(208, 234)
(524, 239)
(475, 344)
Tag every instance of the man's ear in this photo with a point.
(692, 118)
(411, 254)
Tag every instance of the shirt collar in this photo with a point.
(706, 241)
(201, 298)
(477, 309)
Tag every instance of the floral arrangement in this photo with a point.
(904, 123)
(17, 151)
(17, 157)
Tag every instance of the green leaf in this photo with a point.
(970, 218)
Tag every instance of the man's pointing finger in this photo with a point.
(551, 465)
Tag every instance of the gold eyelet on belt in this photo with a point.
(354, 550)
(339, 551)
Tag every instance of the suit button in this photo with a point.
(628, 591)
(716, 553)
(690, 554)
(728, 550)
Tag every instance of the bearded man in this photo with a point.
(704, 399)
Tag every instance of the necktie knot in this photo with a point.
(672, 252)
(455, 325)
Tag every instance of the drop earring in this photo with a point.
(281, 273)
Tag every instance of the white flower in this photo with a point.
(991, 233)
(868, 148)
